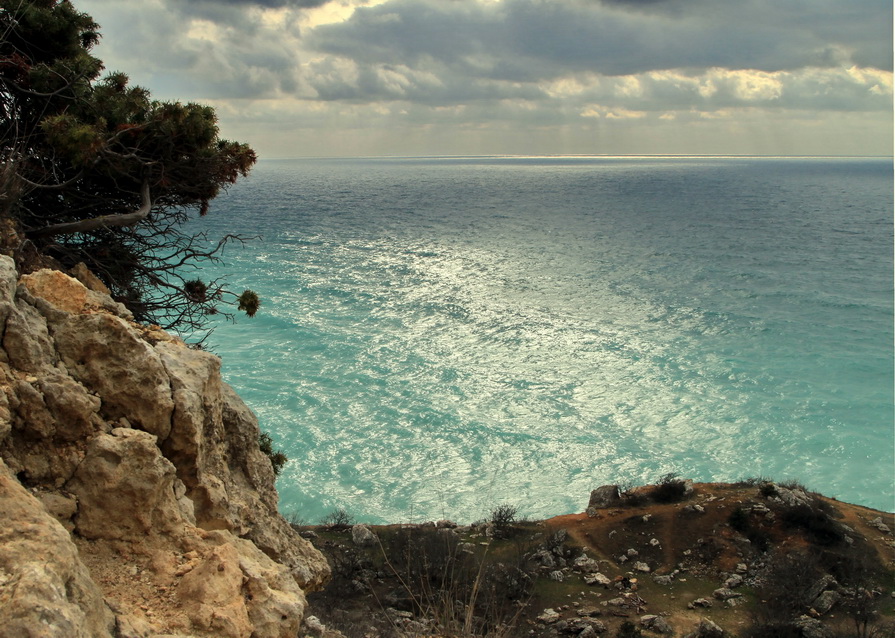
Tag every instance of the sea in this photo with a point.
(439, 336)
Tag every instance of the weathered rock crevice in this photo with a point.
(135, 500)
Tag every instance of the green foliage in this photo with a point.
(248, 303)
(83, 148)
(277, 458)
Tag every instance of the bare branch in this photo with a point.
(103, 221)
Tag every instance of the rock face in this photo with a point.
(134, 499)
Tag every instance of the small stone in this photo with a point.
(725, 594)
(597, 579)
(878, 524)
(548, 617)
(734, 581)
(825, 602)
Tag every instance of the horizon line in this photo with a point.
(578, 156)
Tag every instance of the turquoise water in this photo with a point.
(442, 335)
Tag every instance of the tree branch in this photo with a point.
(104, 221)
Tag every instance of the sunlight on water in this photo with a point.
(439, 337)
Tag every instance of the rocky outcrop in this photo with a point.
(135, 499)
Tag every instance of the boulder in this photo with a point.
(707, 629)
(603, 497)
(597, 579)
(656, 624)
(548, 616)
(826, 601)
(125, 488)
(811, 628)
(362, 536)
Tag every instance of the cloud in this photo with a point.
(270, 4)
(533, 39)
(473, 72)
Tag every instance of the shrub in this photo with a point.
(669, 489)
(741, 521)
(277, 458)
(463, 593)
(792, 484)
(628, 630)
(768, 489)
(338, 517)
(295, 519)
(815, 522)
(503, 516)
(754, 481)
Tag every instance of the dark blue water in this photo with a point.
(442, 335)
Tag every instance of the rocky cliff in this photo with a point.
(134, 500)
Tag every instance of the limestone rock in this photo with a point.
(362, 536)
(597, 579)
(723, 593)
(826, 601)
(586, 564)
(133, 440)
(656, 624)
(42, 581)
(125, 488)
(811, 628)
(70, 295)
(707, 629)
(106, 355)
(83, 274)
(733, 581)
(212, 594)
(549, 616)
(603, 497)
(819, 586)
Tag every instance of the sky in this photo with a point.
(321, 78)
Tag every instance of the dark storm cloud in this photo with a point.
(275, 4)
(527, 40)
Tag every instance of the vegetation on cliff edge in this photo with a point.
(95, 171)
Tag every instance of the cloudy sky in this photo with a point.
(301, 78)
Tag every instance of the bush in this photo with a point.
(768, 489)
(669, 489)
(338, 517)
(815, 522)
(277, 458)
(741, 521)
(628, 630)
(503, 516)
